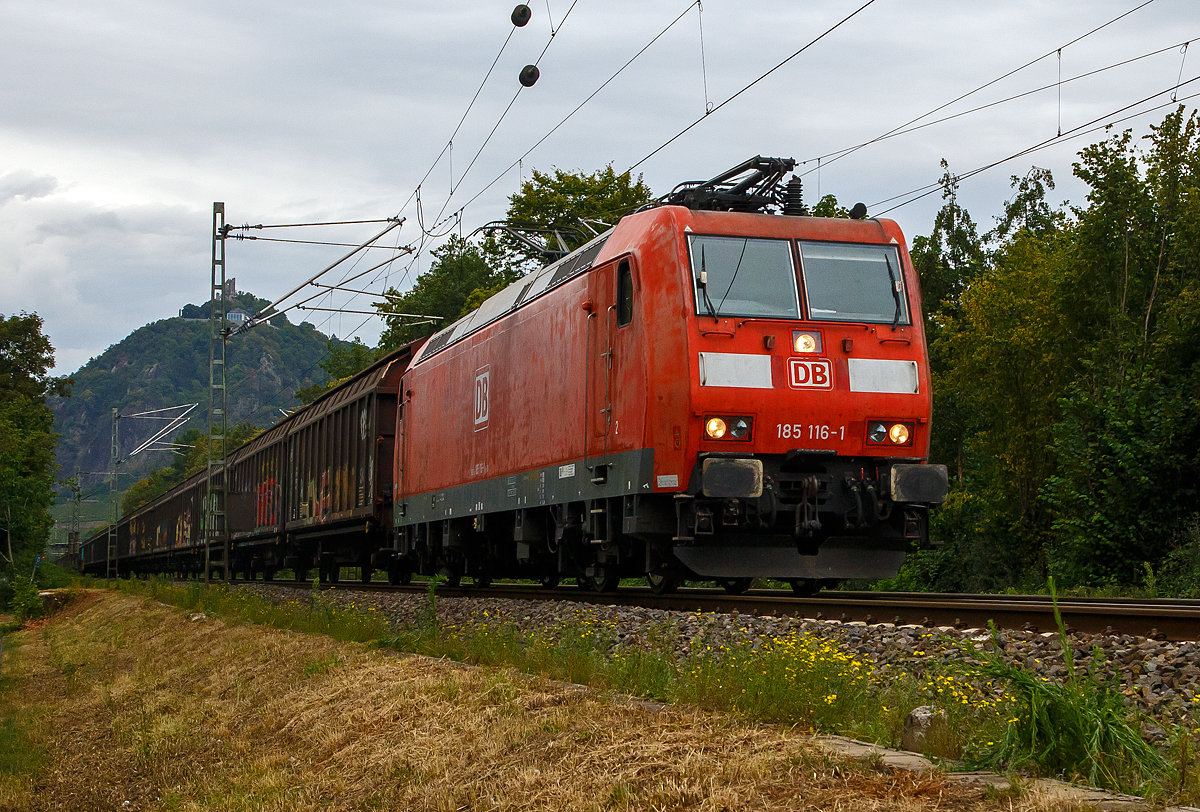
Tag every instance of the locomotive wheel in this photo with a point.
(662, 583)
(736, 586)
(605, 579)
(805, 587)
(550, 580)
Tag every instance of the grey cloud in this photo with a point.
(24, 183)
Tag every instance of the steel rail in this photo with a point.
(1174, 620)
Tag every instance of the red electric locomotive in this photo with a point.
(707, 391)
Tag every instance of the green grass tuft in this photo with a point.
(1079, 728)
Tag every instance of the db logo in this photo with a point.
(482, 379)
(804, 373)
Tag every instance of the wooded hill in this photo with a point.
(166, 364)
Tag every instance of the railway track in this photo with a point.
(1174, 620)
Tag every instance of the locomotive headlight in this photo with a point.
(898, 433)
(715, 428)
(877, 432)
(806, 342)
(739, 428)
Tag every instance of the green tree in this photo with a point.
(577, 205)
(950, 257)
(457, 270)
(345, 359)
(946, 261)
(27, 438)
(996, 359)
(1129, 438)
(1065, 368)
(828, 206)
(1027, 209)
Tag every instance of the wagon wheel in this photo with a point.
(736, 586)
(550, 580)
(805, 587)
(482, 579)
(399, 572)
(365, 573)
(269, 574)
(662, 582)
(605, 579)
(454, 573)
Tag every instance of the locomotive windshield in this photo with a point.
(737, 276)
(860, 283)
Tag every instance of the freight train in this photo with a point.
(718, 388)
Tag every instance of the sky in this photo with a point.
(122, 121)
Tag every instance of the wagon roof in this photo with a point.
(382, 376)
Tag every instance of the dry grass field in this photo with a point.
(123, 703)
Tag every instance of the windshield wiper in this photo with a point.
(895, 291)
(712, 311)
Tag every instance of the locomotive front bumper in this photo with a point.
(804, 516)
(919, 484)
(731, 478)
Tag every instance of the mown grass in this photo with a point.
(20, 754)
(996, 714)
(158, 711)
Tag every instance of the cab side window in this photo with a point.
(624, 294)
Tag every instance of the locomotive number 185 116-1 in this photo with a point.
(810, 431)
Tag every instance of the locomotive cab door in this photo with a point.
(612, 354)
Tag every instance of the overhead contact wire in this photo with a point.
(812, 42)
(553, 33)
(899, 132)
(1082, 129)
(843, 153)
(579, 107)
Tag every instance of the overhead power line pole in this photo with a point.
(214, 503)
(73, 531)
(114, 491)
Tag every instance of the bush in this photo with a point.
(1179, 574)
(25, 603)
(52, 576)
